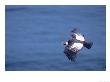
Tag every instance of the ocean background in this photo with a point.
(34, 37)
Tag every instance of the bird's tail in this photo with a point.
(88, 45)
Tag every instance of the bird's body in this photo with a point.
(75, 44)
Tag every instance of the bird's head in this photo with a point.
(65, 43)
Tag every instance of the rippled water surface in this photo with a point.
(35, 36)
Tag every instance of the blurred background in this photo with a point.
(34, 37)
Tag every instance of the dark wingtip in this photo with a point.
(74, 30)
(88, 45)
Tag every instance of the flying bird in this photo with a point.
(75, 44)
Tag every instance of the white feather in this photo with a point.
(79, 37)
(77, 45)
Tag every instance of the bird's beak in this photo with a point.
(64, 43)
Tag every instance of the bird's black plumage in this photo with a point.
(75, 44)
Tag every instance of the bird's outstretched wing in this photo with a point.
(76, 35)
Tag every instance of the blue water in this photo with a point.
(35, 36)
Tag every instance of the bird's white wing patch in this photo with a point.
(77, 45)
(79, 37)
